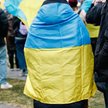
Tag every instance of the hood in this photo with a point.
(52, 13)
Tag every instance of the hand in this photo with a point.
(83, 15)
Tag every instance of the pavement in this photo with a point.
(8, 106)
(15, 74)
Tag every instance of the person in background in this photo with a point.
(98, 15)
(59, 58)
(93, 29)
(73, 4)
(11, 47)
(20, 31)
(3, 60)
(85, 5)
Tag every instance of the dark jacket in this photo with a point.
(16, 23)
(10, 37)
(3, 27)
(98, 15)
(16, 26)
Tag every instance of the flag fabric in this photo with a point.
(59, 56)
(2, 4)
(93, 30)
(26, 10)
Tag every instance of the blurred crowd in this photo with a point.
(15, 40)
(13, 35)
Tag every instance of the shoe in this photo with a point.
(11, 69)
(24, 74)
(6, 86)
(17, 69)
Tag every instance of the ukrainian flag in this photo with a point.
(59, 56)
(93, 30)
(23, 9)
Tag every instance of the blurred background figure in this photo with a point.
(3, 60)
(20, 31)
(98, 15)
(73, 4)
(93, 29)
(11, 47)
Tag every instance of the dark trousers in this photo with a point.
(106, 99)
(11, 54)
(80, 104)
(103, 87)
(20, 53)
(93, 43)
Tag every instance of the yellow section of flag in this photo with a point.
(2, 4)
(54, 74)
(30, 9)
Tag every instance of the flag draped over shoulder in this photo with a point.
(26, 10)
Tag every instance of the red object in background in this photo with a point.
(73, 3)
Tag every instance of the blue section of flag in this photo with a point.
(58, 28)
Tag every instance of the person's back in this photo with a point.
(57, 50)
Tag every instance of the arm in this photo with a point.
(84, 8)
(93, 16)
(16, 23)
(86, 5)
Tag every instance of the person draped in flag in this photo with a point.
(59, 58)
